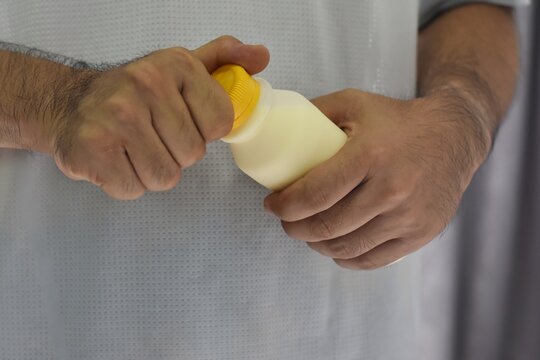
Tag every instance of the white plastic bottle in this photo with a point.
(277, 135)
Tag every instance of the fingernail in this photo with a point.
(396, 261)
(254, 45)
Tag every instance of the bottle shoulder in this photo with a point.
(288, 97)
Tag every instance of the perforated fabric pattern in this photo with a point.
(200, 272)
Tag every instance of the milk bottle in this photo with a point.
(277, 135)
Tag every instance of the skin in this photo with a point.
(398, 180)
(129, 129)
(393, 187)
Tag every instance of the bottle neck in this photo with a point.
(254, 122)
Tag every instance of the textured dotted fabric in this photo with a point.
(199, 272)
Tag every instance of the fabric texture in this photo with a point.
(200, 272)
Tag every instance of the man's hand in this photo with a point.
(393, 186)
(398, 180)
(138, 125)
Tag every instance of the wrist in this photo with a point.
(53, 111)
(471, 110)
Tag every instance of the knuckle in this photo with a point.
(128, 187)
(127, 190)
(395, 194)
(377, 152)
(97, 139)
(121, 111)
(165, 177)
(227, 40)
(351, 95)
(322, 227)
(197, 153)
(343, 249)
(316, 199)
(365, 244)
(367, 263)
(147, 77)
(222, 122)
(184, 59)
(178, 51)
(70, 170)
(219, 131)
(415, 225)
(91, 136)
(349, 92)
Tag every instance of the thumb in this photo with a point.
(229, 50)
(337, 106)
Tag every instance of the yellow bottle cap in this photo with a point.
(243, 90)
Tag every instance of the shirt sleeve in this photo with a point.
(431, 8)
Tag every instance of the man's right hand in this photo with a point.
(138, 125)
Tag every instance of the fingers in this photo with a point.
(209, 105)
(320, 188)
(166, 77)
(119, 179)
(116, 147)
(153, 163)
(111, 170)
(329, 182)
(130, 127)
(352, 212)
(358, 242)
(380, 198)
(229, 50)
(173, 123)
(152, 117)
(383, 255)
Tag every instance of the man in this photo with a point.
(195, 269)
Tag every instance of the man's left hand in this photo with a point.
(394, 185)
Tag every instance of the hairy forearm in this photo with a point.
(36, 94)
(469, 56)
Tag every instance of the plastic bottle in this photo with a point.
(277, 135)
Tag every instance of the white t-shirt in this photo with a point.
(199, 272)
